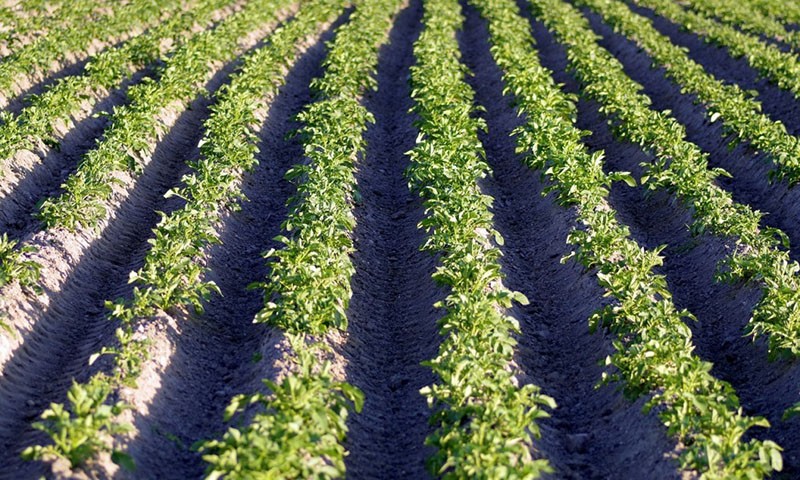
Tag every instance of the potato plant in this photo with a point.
(103, 72)
(115, 23)
(308, 290)
(779, 66)
(745, 17)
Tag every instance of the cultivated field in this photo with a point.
(400, 239)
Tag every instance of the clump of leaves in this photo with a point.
(13, 267)
(83, 430)
(299, 432)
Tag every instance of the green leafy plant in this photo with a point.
(13, 267)
(741, 115)
(106, 25)
(781, 67)
(36, 122)
(299, 431)
(84, 430)
(128, 142)
(744, 16)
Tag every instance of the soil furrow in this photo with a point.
(722, 310)
(392, 321)
(750, 184)
(590, 433)
(777, 103)
(214, 353)
(35, 176)
(62, 327)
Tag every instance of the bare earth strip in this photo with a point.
(392, 319)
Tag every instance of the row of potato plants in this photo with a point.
(301, 423)
(485, 422)
(743, 16)
(15, 266)
(116, 22)
(741, 115)
(86, 427)
(34, 18)
(654, 351)
(783, 68)
(35, 124)
(130, 139)
(787, 12)
(760, 254)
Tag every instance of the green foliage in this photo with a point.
(485, 423)
(741, 115)
(87, 426)
(298, 433)
(781, 67)
(792, 412)
(103, 72)
(787, 12)
(308, 289)
(653, 350)
(682, 168)
(172, 274)
(129, 140)
(13, 267)
(108, 24)
(744, 16)
(83, 430)
(173, 271)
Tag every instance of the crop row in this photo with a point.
(116, 23)
(783, 68)
(743, 16)
(740, 114)
(654, 352)
(682, 168)
(35, 125)
(788, 12)
(299, 432)
(20, 22)
(128, 142)
(485, 423)
(86, 427)
(14, 267)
